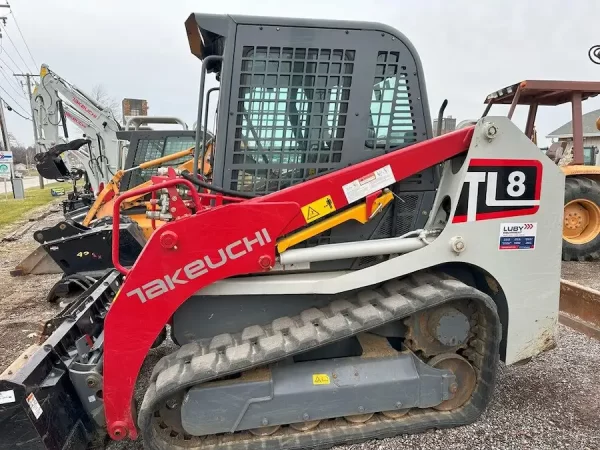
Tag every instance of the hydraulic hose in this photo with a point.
(198, 182)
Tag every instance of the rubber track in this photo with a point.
(199, 362)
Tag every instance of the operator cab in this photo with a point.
(300, 98)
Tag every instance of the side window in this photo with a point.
(589, 156)
(269, 133)
(391, 122)
(149, 149)
(291, 115)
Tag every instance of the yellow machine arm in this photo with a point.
(103, 207)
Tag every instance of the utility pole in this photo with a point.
(35, 130)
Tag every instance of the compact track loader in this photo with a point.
(304, 312)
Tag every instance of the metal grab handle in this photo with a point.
(132, 193)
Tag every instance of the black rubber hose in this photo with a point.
(194, 180)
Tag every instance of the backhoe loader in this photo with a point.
(325, 287)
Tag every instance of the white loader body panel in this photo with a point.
(516, 240)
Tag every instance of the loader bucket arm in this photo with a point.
(177, 262)
(51, 166)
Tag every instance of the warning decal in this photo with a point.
(320, 378)
(36, 409)
(318, 209)
(369, 183)
(517, 236)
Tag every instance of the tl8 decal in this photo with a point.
(496, 188)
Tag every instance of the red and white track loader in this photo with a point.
(344, 276)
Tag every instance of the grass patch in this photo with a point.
(12, 210)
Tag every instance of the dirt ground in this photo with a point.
(548, 403)
(22, 304)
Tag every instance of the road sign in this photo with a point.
(5, 170)
(6, 156)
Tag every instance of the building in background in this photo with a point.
(448, 125)
(591, 136)
(134, 107)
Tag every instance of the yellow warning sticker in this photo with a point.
(321, 378)
(318, 208)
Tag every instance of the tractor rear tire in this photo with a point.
(581, 225)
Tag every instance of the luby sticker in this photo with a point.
(517, 236)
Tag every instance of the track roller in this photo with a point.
(466, 379)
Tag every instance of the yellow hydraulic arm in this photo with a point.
(103, 204)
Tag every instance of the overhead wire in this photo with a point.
(10, 108)
(13, 61)
(21, 93)
(16, 49)
(23, 37)
(13, 99)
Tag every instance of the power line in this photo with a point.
(16, 49)
(10, 108)
(23, 37)
(3, 73)
(19, 85)
(13, 99)
(13, 61)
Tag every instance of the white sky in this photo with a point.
(468, 48)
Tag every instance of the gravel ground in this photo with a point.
(552, 402)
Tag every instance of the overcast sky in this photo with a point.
(468, 48)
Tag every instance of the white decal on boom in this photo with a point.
(199, 267)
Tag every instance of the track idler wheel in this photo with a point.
(466, 379)
(395, 414)
(305, 426)
(358, 418)
(264, 431)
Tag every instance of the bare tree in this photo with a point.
(101, 97)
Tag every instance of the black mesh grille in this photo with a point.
(319, 239)
(406, 216)
(291, 115)
(392, 120)
(149, 149)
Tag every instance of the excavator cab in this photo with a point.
(290, 111)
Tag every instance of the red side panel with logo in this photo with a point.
(234, 239)
(497, 188)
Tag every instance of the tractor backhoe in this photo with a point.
(329, 284)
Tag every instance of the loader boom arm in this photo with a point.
(178, 261)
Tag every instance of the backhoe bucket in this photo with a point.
(50, 166)
(51, 396)
(73, 249)
(38, 262)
